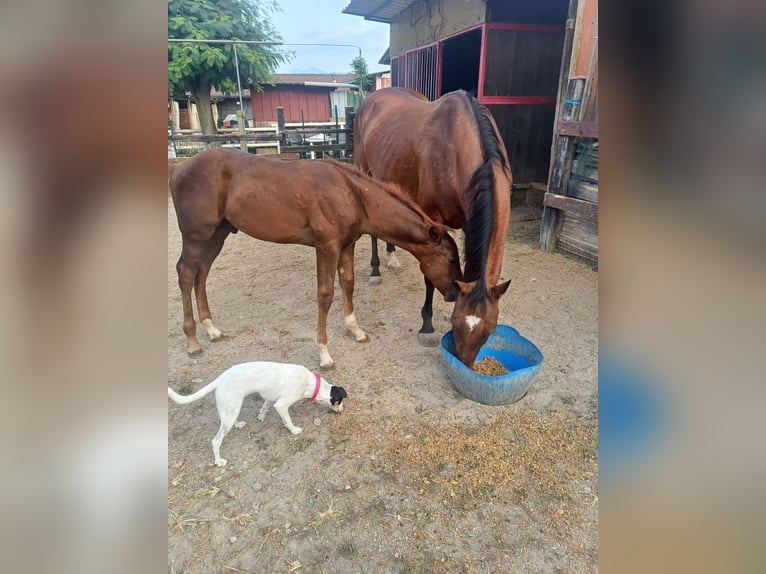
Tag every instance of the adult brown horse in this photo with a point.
(325, 204)
(449, 157)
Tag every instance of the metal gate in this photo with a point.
(417, 70)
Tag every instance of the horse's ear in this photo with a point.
(465, 287)
(434, 233)
(500, 289)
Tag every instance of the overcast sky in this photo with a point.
(323, 22)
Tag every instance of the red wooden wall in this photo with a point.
(314, 101)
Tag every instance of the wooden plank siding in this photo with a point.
(520, 83)
(578, 129)
(314, 101)
(573, 205)
(522, 63)
(579, 237)
(528, 145)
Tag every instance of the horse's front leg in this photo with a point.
(327, 261)
(426, 334)
(346, 279)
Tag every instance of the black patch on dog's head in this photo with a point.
(337, 394)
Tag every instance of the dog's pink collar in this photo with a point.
(316, 388)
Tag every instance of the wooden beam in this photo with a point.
(241, 125)
(562, 158)
(253, 136)
(578, 129)
(223, 138)
(350, 118)
(571, 205)
(316, 148)
(552, 220)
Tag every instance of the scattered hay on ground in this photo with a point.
(512, 457)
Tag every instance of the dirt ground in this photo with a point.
(411, 477)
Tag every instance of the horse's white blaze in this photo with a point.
(472, 321)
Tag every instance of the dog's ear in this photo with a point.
(337, 394)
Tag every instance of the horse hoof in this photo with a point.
(428, 339)
(377, 280)
(195, 352)
(220, 337)
(364, 339)
(328, 366)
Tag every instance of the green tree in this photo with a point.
(359, 69)
(195, 68)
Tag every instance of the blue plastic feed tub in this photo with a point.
(519, 355)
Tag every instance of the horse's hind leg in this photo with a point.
(346, 279)
(186, 267)
(214, 248)
(393, 261)
(374, 278)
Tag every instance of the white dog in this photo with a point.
(279, 384)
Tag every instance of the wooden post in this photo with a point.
(241, 124)
(350, 117)
(281, 125)
(562, 166)
(558, 181)
(551, 221)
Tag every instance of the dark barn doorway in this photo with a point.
(460, 63)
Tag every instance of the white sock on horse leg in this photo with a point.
(393, 262)
(353, 326)
(212, 332)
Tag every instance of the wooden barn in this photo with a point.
(318, 96)
(304, 97)
(511, 54)
(506, 53)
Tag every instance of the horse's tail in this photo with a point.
(482, 186)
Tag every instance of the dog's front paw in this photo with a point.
(221, 462)
(261, 416)
(296, 430)
(239, 424)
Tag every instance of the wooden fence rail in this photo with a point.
(281, 139)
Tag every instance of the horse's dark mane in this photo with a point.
(478, 231)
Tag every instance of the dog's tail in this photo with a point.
(184, 399)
